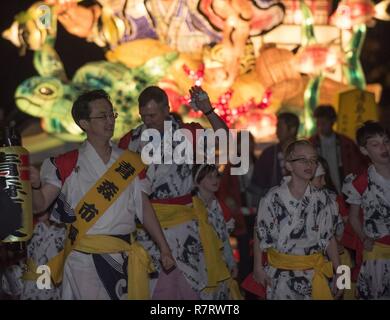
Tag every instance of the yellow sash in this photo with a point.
(171, 215)
(139, 264)
(95, 204)
(30, 273)
(380, 251)
(322, 269)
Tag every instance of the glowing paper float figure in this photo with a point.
(238, 20)
(276, 72)
(316, 58)
(355, 15)
(28, 32)
(350, 13)
(312, 59)
(51, 99)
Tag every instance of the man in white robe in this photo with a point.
(93, 275)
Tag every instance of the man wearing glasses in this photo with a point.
(99, 190)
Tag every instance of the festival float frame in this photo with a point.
(233, 71)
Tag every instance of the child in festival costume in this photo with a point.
(207, 181)
(295, 228)
(99, 190)
(370, 191)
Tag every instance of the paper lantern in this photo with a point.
(276, 72)
(15, 184)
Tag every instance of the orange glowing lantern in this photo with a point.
(276, 73)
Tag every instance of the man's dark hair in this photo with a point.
(290, 119)
(153, 93)
(81, 109)
(369, 129)
(325, 111)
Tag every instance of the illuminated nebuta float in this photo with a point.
(222, 45)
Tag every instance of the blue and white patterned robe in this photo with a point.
(374, 277)
(294, 227)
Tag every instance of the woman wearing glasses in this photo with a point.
(294, 228)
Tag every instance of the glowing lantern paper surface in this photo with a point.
(316, 58)
(353, 12)
(276, 72)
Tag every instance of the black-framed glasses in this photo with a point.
(108, 116)
(304, 161)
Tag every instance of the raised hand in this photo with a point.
(200, 99)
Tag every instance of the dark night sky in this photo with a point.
(75, 52)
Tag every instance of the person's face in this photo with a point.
(378, 149)
(153, 115)
(101, 122)
(324, 126)
(319, 182)
(283, 132)
(210, 183)
(302, 163)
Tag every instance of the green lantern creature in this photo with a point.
(50, 96)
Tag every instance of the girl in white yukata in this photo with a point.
(93, 269)
(295, 227)
(370, 191)
(207, 180)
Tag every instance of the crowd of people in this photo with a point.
(111, 227)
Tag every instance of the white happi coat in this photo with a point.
(295, 227)
(81, 279)
(170, 181)
(374, 277)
